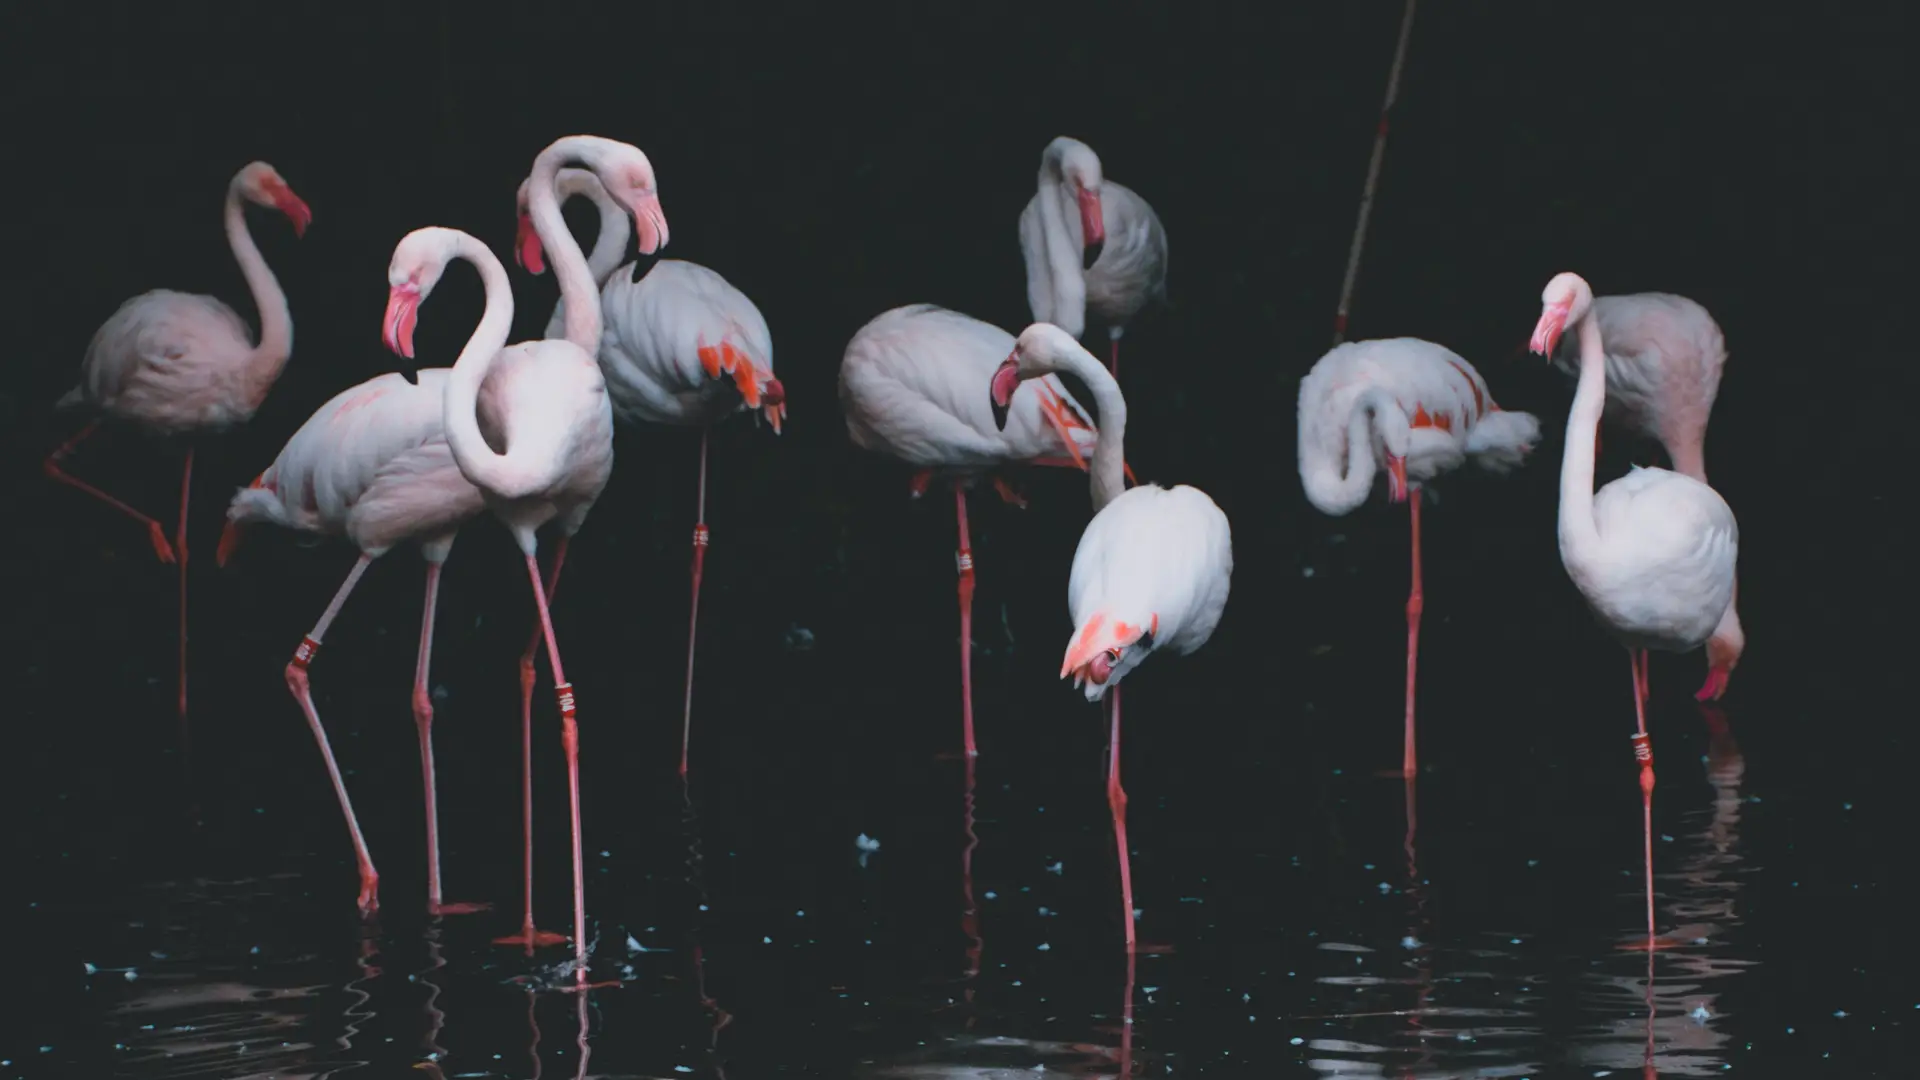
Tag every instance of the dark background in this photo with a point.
(834, 162)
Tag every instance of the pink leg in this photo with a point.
(570, 738)
(1415, 603)
(917, 485)
(965, 561)
(52, 468)
(303, 694)
(423, 722)
(180, 553)
(700, 540)
(528, 935)
(1113, 357)
(1643, 752)
(1117, 801)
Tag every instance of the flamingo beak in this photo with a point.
(1006, 379)
(1100, 668)
(229, 543)
(526, 247)
(403, 310)
(651, 222)
(296, 209)
(1397, 479)
(1092, 227)
(1546, 332)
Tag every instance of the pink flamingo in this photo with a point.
(173, 363)
(910, 387)
(372, 465)
(1414, 410)
(1092, 243)
(1153, 567)
(682, 346)
(1653, 552)
(546, 403)
(1664, 357)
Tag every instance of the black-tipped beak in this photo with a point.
(410, 372)
(1006, 378)
(999, 415)
(1092, 254)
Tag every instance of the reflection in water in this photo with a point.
(697, 880)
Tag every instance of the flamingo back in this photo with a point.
(1158, 559)
(684, 346)
(171, 362)
(914, 384)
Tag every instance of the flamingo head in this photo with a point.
(260, 183)
(628, 177)
(1104, 649)
(1037, 352)
(418, 261)
(1723, 655)
(1563, 303)
(1079, 169)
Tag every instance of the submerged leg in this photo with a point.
(964, 559)
(570, 738)
(528, 935)
(52, 468)
(423, 723)
(1117, 802)
(700, 539)
(1415, 603)
(1643, 753)
(303, 694)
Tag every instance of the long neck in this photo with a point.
(610, 246)
(501, 474)
(276, 322)
(1059, 228)
(579, 296)
(1108, 471)
(1329, 488)
(1579, 537)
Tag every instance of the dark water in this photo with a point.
(1746, 160)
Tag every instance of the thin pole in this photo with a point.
(1373, 178)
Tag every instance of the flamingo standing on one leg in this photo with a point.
(685, 347)
(1414, 410)
(910, 388)
(1653, 552)
(1153, 566)
(175, 363)
(545, 402)
(1664, 357)
(372, 465)
(1089, 243)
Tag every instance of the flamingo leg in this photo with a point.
(964, 559)
(1643, 753)
(1117, 802)
(1113, 356)
(1415, 603)
(528, 935)
(700, 539)
(423, 722)
(570, 738)
(180, 554)
(303, 694)
(52, 468)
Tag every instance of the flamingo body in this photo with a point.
(171, 363)
(684, 346)
(1665, 575)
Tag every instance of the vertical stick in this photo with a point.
(1373, 178)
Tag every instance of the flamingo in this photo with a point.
(173, 363)
(909, 386)
(1414, 410)
(609, 243)
(1653, 552)
(546, 403)
(372, 465)
(1152, 569)
(683, 346)
(1089, 243)
(1664, 357)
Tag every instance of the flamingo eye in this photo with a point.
(1113, 656)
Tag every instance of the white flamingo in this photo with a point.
(1413, 410)
(182, 364)
(910, 388)
(1153, 566)
(1653, 552)
(1664, 358)
(1092, 243)
(544, 402)
(684, 347)
(372, 465)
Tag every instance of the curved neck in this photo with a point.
(610, 246)
(1059, 224)
(1579, 538)
(500, 474)
(276, 322)
(579, 296)
(1107, 472)
(1329, 488)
